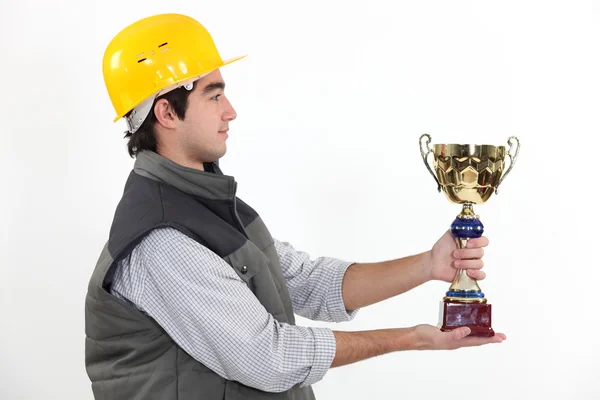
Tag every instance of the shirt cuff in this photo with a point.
(325, 346)
(335, 301)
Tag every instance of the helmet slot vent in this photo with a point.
(164, 48)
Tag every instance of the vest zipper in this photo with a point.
(235, 213)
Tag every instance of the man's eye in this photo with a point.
(216, 97)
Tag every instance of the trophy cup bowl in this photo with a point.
(468, 174)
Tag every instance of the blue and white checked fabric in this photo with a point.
(210, 312)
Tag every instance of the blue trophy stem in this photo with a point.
(465, 227)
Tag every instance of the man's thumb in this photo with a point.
(460, 333)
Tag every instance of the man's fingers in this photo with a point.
(460, 333)
(479, 242)
(469, 253)
(468, 264)
(459, 337)
(479, 341)
(476, 274)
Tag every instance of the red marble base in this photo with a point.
(478, 317)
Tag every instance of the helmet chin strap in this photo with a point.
(140, 113)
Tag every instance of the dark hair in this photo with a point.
(145, 137)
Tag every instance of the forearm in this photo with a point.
(370, 283)
(356, 346)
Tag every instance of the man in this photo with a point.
(192, 298)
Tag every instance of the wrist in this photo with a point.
(420, 339)
(426, 265)
(409, 339)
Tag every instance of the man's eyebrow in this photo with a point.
(213, 86)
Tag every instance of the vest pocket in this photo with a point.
(252, 266)
(247, 261)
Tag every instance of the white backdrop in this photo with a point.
(331, 102)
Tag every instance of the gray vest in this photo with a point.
(128, 355)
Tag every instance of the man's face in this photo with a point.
(203, 132)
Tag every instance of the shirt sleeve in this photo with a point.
(212, 314)
(315, 286)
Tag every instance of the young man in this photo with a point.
(192, 297)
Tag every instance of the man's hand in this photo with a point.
(432, 338)
(356, 346)
(445, 258)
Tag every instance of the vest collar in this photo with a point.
(211, 185)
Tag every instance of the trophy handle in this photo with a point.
(513, 157)
(424, 154)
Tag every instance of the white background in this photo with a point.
(331, 102)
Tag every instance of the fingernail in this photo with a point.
(470, 244)
(456, 254)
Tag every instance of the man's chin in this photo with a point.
(215, 156)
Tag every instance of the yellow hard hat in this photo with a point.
(155, 55)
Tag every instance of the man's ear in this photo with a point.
(164, 114)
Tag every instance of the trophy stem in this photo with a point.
(465, 289)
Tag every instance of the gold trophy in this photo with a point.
(468, 174)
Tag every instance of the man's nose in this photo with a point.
(229, 113)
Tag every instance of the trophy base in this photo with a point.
(476, 316)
